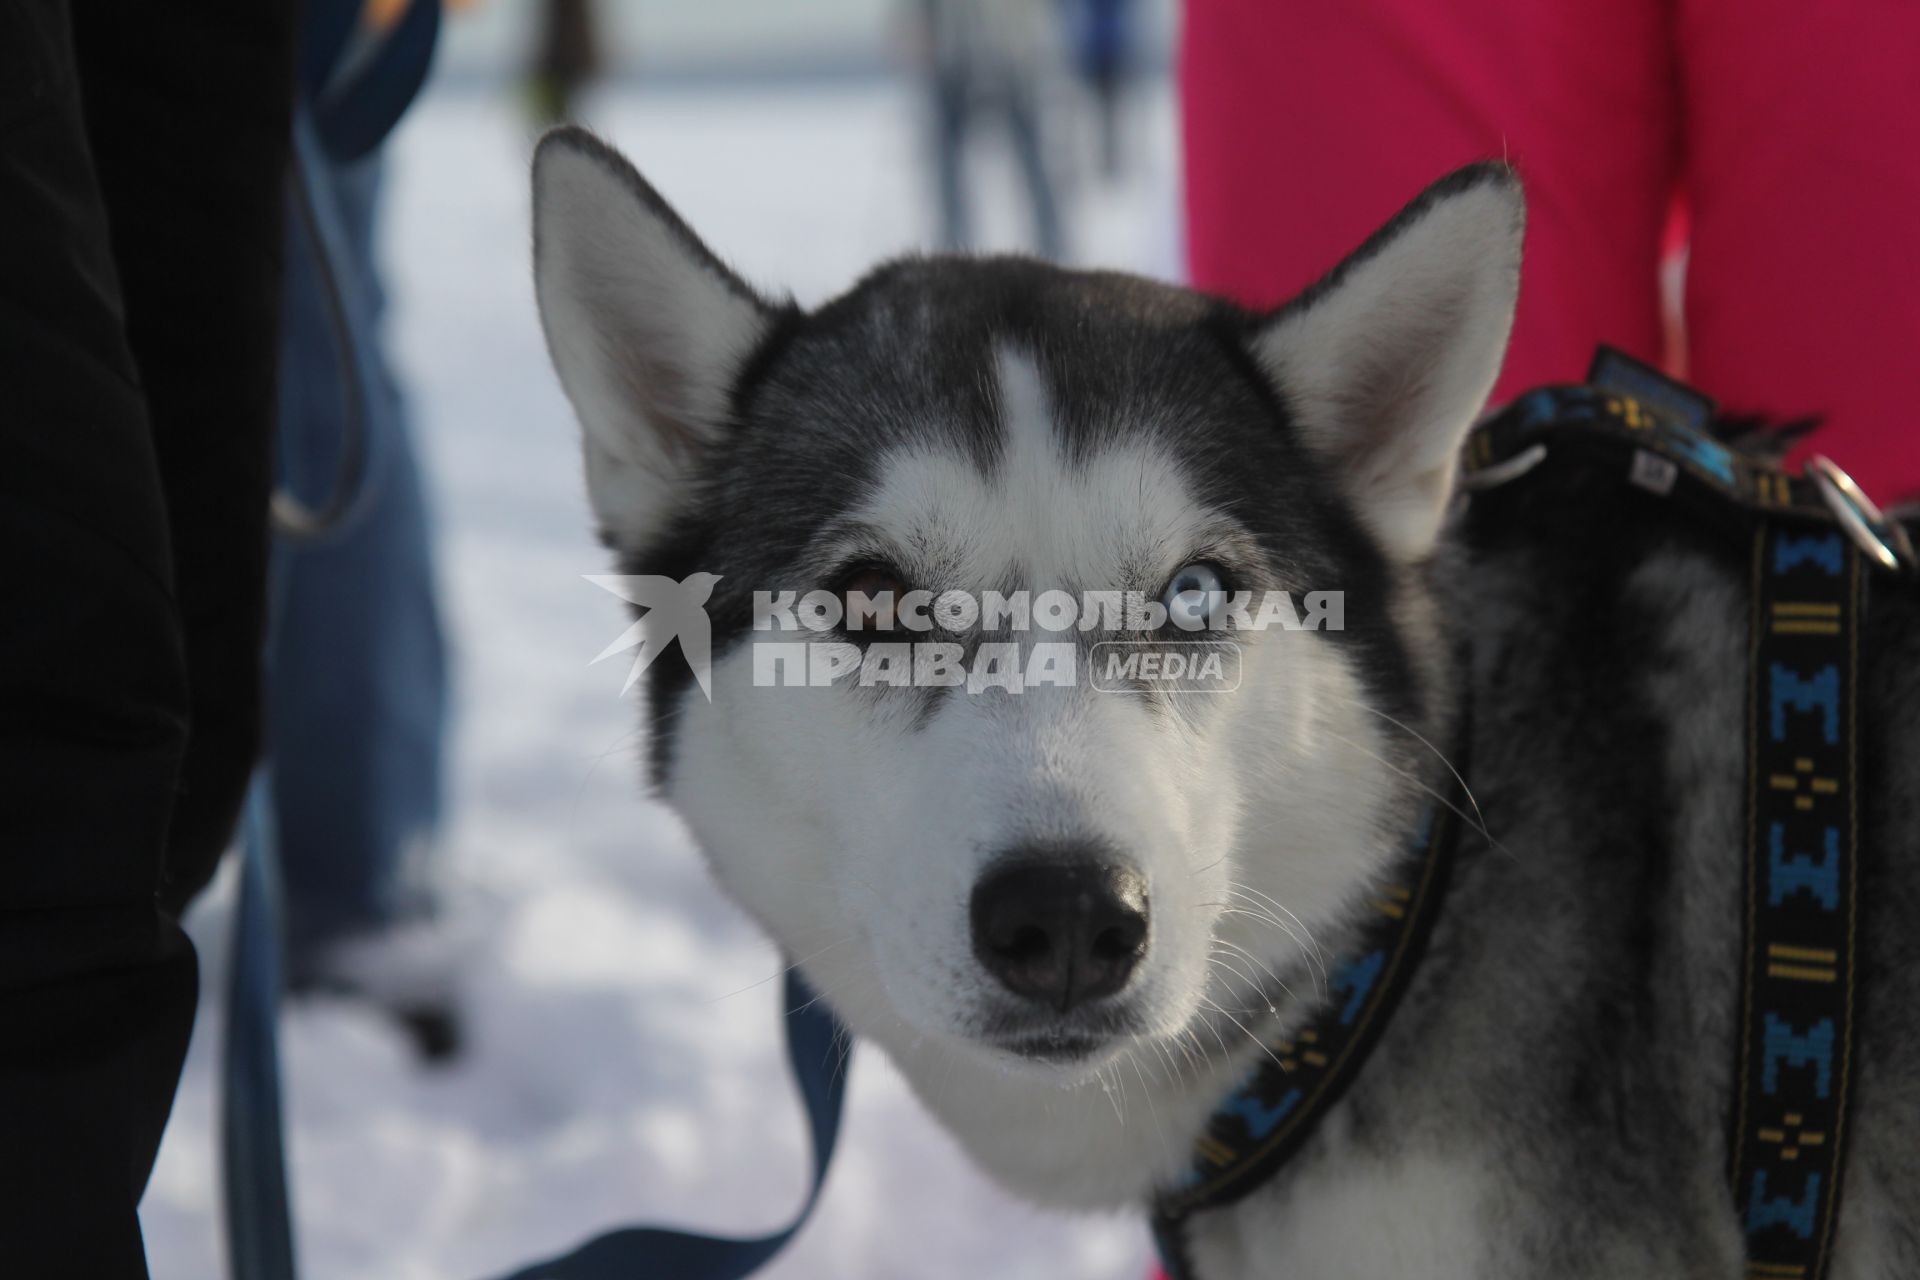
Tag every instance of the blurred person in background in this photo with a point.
(566, 58)
(143, 156)
(983, 63)
(1105, 44)
(357, 692)
(1784, 131)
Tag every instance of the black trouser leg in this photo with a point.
(135, 396)
(188, 113)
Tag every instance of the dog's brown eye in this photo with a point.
(871, 596)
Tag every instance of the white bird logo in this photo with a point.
(671, 609)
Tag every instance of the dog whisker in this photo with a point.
(1210, 866)
(1421, 783)
(1153, 1113)
(1207, 1001)
(1197, 1052)
(1305, 935)
(1260, 1000)
(1420, 738)
(1165, 1054)
(1264, 1047)
(1223, 962)
(783, 972)
(1106, 1087)
(1265, 968)
(1242, 887)
(1280, 925)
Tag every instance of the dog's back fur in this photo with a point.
(1560, 1075)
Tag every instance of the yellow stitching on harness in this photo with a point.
(1818, 955)
(1801, 973)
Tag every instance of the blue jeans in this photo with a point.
(357, 684)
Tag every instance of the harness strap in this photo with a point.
(1813, 539)
(1656, 434)
(1263, 1122)
(1802, 852)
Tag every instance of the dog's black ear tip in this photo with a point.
(566, 142)
(577, 140)
(567, 131)
(570, 157)
(1496, 178)
(1498, 173)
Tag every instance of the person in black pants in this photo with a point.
(143, 149)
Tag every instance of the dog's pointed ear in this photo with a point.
(647, 329)
(1385, 363)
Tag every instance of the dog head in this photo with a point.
(1034, 873)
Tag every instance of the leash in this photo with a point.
(259, 1222)
(252, 1145)
(818, 1050)
(333, 124)
(338, 124)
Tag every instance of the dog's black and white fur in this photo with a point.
(1552, 1097)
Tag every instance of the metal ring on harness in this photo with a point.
(1499, 473)
(1881, 538)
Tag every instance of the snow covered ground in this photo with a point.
(625, 1057)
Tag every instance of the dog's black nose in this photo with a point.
(1060, 933)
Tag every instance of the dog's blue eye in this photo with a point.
(1195, 597)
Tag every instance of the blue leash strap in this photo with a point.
(350, 318)
(253, 1167)
(259, 1221)
(817, 1049)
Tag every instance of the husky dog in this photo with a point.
(1036, 901)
